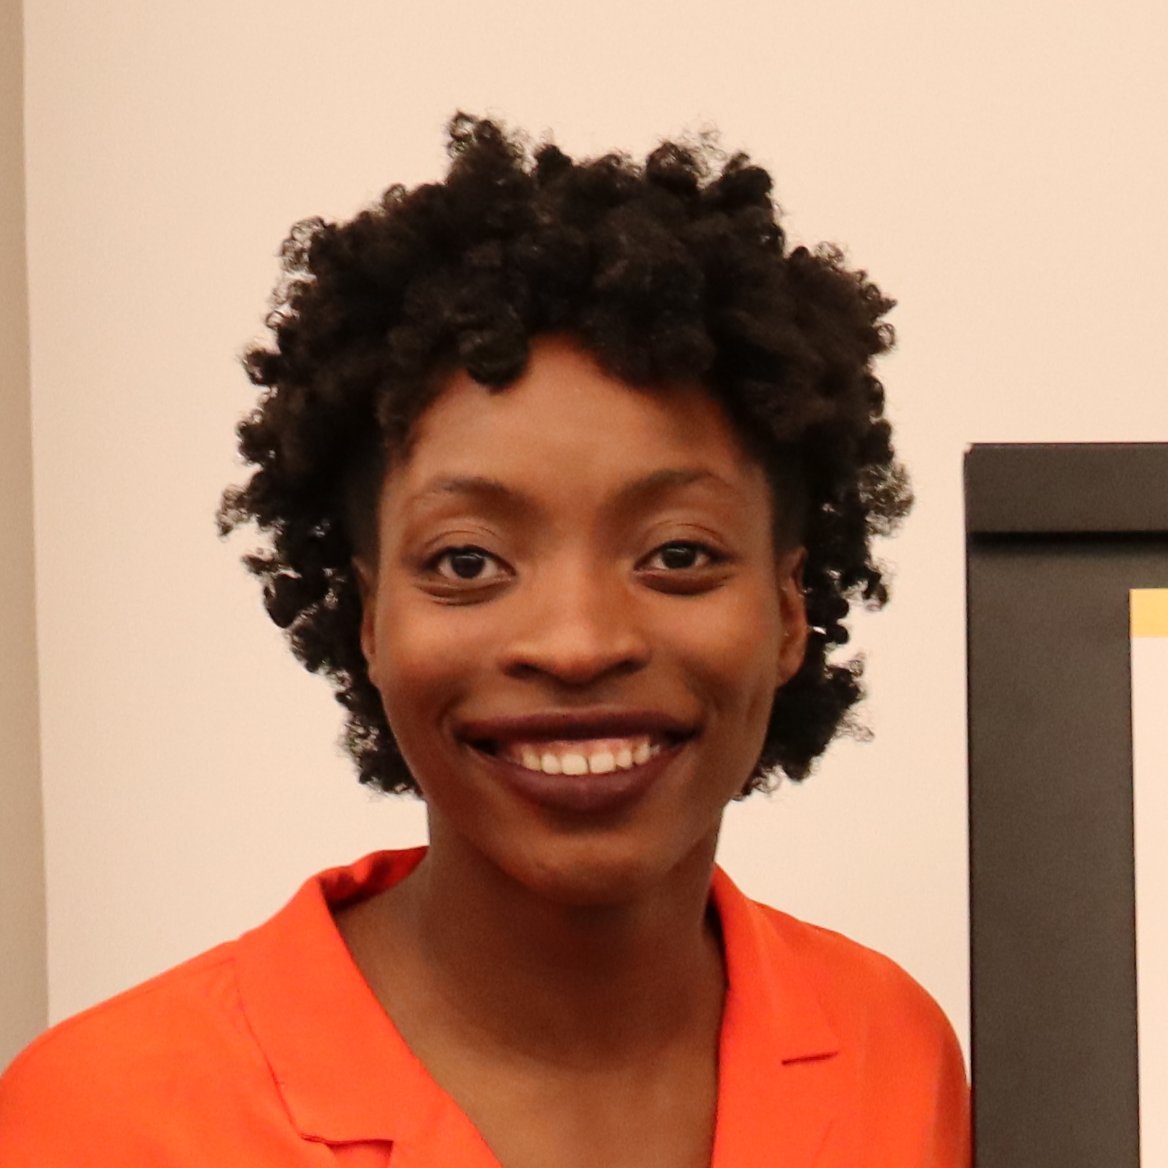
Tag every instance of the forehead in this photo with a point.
(566, 421)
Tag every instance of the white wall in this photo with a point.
(23, 1006)
(999, 167)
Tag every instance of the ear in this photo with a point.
(367, 588)
(792, 613)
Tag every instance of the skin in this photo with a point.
(558, 971)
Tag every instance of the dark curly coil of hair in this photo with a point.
(666, 271)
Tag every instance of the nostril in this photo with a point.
(575, 667)
(574, 647)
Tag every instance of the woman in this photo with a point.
(569, 472)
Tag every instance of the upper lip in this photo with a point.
(570, 725)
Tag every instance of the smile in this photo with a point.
(573, 762)
(590, 756)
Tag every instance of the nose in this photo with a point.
(577, 626)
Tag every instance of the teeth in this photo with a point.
(597, 757)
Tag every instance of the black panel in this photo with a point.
(1073, 487)
(1059, 535)
(1052, 882)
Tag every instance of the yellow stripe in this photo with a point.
(1149, 612)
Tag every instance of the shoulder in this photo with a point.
(109, 1068)
(905, 1072)
(155, 1019)
(890, 1028)
(858, 984)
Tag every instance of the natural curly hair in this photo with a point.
(666, 271)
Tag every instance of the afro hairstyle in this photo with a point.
(669, 270)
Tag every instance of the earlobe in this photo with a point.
(792, 614)
(367, 588)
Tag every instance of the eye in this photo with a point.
(681, 555)
(686, 567)
(470, 564)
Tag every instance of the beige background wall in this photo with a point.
(22, 889)
(999, 167)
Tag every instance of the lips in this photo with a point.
(579, 762)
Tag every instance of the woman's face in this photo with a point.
(577, 622)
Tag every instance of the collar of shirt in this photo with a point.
(346, 1076)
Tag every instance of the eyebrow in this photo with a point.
(642, 490)
(661, 482)
(465, 485)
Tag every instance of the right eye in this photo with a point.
(468, 564)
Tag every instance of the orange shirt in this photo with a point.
(272, 1052)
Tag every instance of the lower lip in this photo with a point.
(582, 794)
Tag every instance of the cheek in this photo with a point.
(423, 660)
(732, 649)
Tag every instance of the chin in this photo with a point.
(593, 873)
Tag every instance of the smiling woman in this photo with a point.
(569, 471)
(569, 573)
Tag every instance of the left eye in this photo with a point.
(680, 555)
(468, 563)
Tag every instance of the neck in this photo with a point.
(598, 982)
